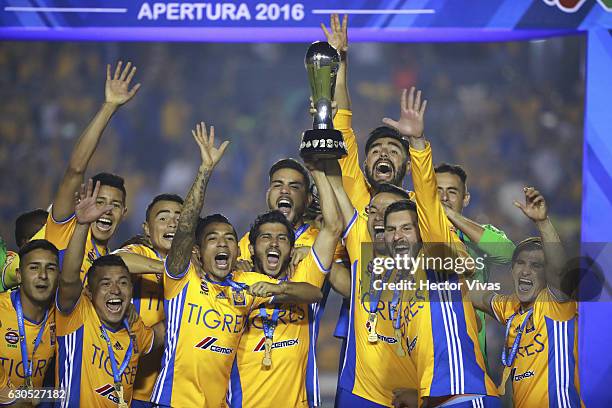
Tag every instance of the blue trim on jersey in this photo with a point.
(60, 257)
(70, 361)
(346, 399)
(342, 325)
(455, 370)
(235, 389)
(162, 392)
(137, 295)
(480, 402)
(562, 391)
(347, 377)
(315, 313)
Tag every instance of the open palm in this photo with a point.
(209, 153)
(338, 37)
(535, 206)
(117, 87)
(86, 209)
(412, 111)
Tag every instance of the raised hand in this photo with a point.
(86, 208)
(411, 115)
(117, 86)
(535, 207)
(209, 153)
(338, 37)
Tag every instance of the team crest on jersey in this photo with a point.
(208, 343)
(108, 391)
(276, 344)
(203, 287)
(12, 338)
(239, 298)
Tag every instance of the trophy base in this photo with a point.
(322, 144)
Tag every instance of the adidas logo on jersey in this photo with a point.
(221, 295)
(108, 391)
(118, 346)
(208, 343)
(276, 344)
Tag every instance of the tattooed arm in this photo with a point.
(184, 238)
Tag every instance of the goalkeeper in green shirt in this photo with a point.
(484, 241)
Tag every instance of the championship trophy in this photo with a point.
(323, 141)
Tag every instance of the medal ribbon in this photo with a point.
(27, 363)
(117, 372)
(509, 360)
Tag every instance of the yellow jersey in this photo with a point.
(148, 299)
(371, 370)
(441, 331)
(545, 370)
(292, 381)
(353, 179)
(59, 234)
(83, 366)
(205, 320)
(10, 347)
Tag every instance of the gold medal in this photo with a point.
(121, 401)
(267, 360)
(501, 390)
(399, 347)
(371, 326)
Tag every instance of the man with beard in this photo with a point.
(28, 316)
(286, 334)
(29, 225)
(206, 307)
(159, 227)
(61, 221)
(540, 352)
(440, 329)
(98, 350)
(483, 241)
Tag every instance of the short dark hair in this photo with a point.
(291, 163)
(386, 131)
(111, 180)
(393, 189)
(455, 169)
(209, 219)
(528, 244)
(37, 244)
(27, 222)
(398, 206)
(271, 217)
(163, 197)
(106, 260)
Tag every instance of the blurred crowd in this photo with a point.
(510, 113)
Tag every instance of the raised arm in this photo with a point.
(334, 176)
(117, 93)
(184, 238)
(340, 279)
(337, 37)
(536, 210)
(87, 211)
(139, 264)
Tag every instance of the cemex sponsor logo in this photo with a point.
(276, 344)
(208, 344)
(572, 6)
(108, 391)
(519, 377)
(390, 340)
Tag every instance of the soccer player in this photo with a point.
(440, 329)
(61, 222)
(28, 316)
(98, 348)
(206, 307)
(159, 227)
(29, 225)
(483, 241)
(540, 352)
(285, 334)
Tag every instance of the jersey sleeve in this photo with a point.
(434, 226)
(59, 232)
(144, 336)
(68, 321)
(310, 270)
(353, 180)
(243, 244)
(173, 285)
(504, 306)
(496, 245)
(356, 233)
(547, 305)
(134, 249)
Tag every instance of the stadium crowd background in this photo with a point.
(510, 113)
